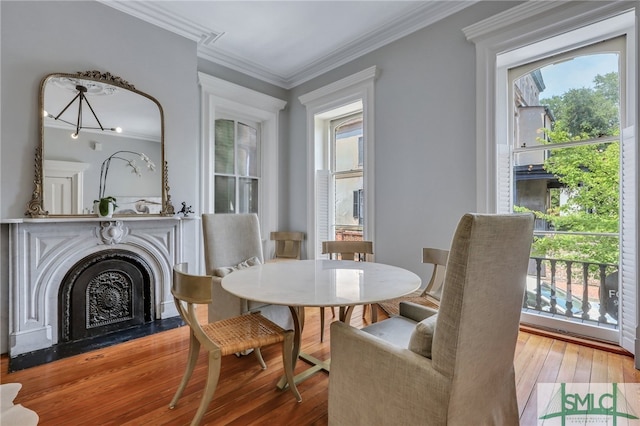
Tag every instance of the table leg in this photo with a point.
(345, 314)
(317, 365)
(297, 314)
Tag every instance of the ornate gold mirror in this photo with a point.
(100, 138)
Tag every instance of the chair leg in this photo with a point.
(212, 382)
(322, 324)
(260, 359)
(374, 312)
(194, 349)
(287, 359)
(301, 316)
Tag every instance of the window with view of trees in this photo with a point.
(566, 171)
(581, 176)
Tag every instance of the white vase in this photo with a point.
(96, 209)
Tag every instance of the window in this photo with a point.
(565, 158)
(342, 112)
(237, 168)
(239, 151)
(530, 32)
(347, 176)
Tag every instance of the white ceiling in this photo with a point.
(288, 42)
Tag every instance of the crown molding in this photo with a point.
(507, 18)
(420, 17)
(242, 65)
(524, 13)
(153, 13)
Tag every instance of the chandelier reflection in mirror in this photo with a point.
(83, 87)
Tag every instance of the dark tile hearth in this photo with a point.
(63, 350)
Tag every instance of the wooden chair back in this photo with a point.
(348, 250)
(438, 258)
(287, 244)
(189, 290)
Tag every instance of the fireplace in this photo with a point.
(104, 293)
(77, 279)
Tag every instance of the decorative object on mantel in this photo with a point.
(185, 210)
(106, 204)
(11, 414)
(131, 107)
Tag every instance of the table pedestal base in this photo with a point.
(318, 365)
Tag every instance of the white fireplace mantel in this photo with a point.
(42, 251)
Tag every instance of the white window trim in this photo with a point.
(219, 97)
(521, 26)
(356, 87)
(509, 30)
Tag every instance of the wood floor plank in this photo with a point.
(548, 374)
(568, 364)
(599, 369)
(584, 363)
(528, 376)
(132, 383)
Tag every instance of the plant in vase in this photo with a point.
(105, 205)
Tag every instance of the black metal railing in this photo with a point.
(579, 290)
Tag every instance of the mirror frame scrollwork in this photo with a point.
(35, 207)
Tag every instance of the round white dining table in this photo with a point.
(321, 282)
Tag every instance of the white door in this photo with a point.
(57, 195)
(64, 193)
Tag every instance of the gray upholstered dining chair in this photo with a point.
(233, 241)
(453, 366)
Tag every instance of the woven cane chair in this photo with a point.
(347, 250)
(224, 337)
(430, 296)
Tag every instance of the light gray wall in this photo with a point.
(425, 138)
(39, 38)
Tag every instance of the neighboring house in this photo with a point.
(531, 180)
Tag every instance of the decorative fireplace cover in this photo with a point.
(105, 292)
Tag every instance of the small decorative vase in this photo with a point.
(96, 209)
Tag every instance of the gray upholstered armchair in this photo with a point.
(453, 366)
(233, 241)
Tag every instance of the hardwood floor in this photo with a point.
(133, 382)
